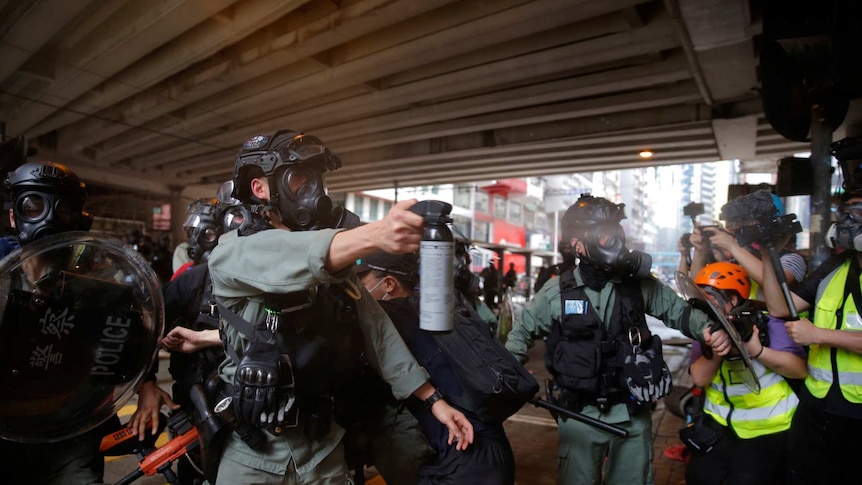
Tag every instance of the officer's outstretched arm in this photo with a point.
(398, 233)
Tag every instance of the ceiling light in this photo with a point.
(645, 154)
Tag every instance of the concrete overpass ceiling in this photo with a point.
(150, 96)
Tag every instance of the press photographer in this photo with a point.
(754, 220)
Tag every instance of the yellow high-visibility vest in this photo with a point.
(848, 365)
(731, 403)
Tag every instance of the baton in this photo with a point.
(567, 413)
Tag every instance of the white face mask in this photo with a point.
(385, 295)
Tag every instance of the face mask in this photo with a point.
(847, 232)
(371, 291)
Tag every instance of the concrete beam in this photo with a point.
(736, 138)
(21, 41)
(301, 33)
(486, 31)
(649, 39)
(127, 36)
(198, 44)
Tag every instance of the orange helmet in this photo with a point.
(725, 276)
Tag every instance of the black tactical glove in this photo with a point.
(645, 372)
(258, 395)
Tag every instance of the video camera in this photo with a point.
(771, 230)
(693, 209)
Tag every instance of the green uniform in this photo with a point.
(243, 270)
(581, 448)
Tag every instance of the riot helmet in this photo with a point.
(293, 164)
(595, 222)
(47, 198)
(203, 228)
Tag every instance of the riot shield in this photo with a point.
(80, 322)
(740, 366)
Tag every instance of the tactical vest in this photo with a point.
(318, 330)
(838, 298)
(584, 355)
(731, 403)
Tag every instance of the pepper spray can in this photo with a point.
(436, 266)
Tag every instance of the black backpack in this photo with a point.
(495, 383)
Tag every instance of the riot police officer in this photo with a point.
(292, 315)
(47, 198)
(599, 349)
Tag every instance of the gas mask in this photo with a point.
(202, 228)
(47, 198)
(39, 214)
(605, 250)
(847, 232)
(301, 198)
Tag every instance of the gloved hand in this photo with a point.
(256, 397)
(646, 374)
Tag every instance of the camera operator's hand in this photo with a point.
(722, 239)
(697, 240)
(753, 345)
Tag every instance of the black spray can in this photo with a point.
(436, 266)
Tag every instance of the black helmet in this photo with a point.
(47, 198)
(588, 211)
(294, 164)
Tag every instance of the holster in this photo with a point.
(212, 432)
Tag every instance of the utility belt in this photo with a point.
(576, 402)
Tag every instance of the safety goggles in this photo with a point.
(608, 213)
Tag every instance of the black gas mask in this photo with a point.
(847, 232)
(605, 250)
(47, 198)
(203, 228)
(301, 198)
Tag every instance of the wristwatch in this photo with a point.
(438, 395)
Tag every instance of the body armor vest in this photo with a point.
(583, 354)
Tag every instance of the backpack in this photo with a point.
(495, 383)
